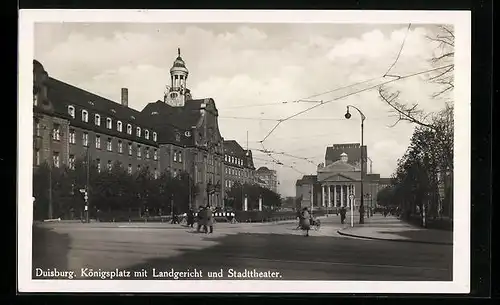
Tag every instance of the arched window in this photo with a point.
(109, 123)
(154, 136)
(129, 129)
(71, 111)
(138, 131)
(98, 120)
(146, 134)
(119, 126)
(85, 116)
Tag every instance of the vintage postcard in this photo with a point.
(244, 151)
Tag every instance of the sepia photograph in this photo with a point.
(256, 151)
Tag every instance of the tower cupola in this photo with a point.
(177, 93)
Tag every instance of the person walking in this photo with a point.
(305, 221)
(209, 223)
(343, 213)
(199, 219)
(190, 217)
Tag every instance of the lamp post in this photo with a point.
(363, 117)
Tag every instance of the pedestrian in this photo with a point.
(200, 219)
(305, 221)
(209, 223)
(342, 215)
(190, 218)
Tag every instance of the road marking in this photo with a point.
(336, 263)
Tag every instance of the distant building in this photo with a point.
(238, 164)
(333, 154)
(338, 180)
(269, 177)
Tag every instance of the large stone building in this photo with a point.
(337, 179)
(269, 177)
(175, 134)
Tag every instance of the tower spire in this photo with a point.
(179, 52)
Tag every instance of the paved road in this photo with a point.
(278, 247)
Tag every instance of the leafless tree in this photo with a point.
(443, 56)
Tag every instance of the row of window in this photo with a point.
(109, 123)
(233, 160)
(109, 145)
(236, 172)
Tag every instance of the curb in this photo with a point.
(395, 240)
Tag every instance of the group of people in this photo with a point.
(204, 219)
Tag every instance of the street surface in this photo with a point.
(267, 247)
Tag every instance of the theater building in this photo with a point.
(337, 182)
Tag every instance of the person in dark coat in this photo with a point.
(200, 219)
(305, 221)
(190, 218)
(342, 215)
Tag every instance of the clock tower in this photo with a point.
(177, 94)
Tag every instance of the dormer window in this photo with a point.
(129, 129)
(71, 111)
(154, 136)
(91, 103)
(119, 126)
(138, 131)
(85, 116)
(109, 123)
(98, 120)
(154, 113)
(146, 134)
(113, 111)
(132, 117)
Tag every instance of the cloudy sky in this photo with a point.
(254, 72)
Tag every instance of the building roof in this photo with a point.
(233, 148)
(307, 179)
(62, 94)
(353, 151)
(265, 170)
(174, 124)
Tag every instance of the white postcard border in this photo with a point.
(461, 231)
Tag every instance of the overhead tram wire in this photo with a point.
(397, 77)
(280, 164)
(305, 99)
(399, 53)
(267, 152)
(353, 93)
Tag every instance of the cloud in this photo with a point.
(246, 66)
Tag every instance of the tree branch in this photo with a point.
(405, 113)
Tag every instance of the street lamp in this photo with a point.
(363, 117)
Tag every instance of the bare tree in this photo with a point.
(443, 56)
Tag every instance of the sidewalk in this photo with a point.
(391, 228)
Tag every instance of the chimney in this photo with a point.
(125, 97)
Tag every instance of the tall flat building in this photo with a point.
(269, 177)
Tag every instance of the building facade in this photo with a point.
(337, 183)
(71, 124)
(238, 164)
(269, 177)
(176, 134)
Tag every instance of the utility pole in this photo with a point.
(50, 175)
(87, 185)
